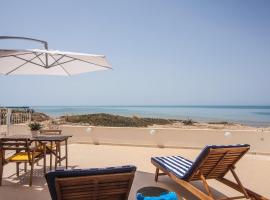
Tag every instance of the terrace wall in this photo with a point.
(162, 137)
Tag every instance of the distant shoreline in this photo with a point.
(109, 120)
(255, 115)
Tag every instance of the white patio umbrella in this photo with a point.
(48, 62)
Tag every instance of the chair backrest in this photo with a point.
(17, 144)
(14, 144)
(112, 183)
(215, 161)
(50, 132)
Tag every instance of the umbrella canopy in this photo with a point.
(49, 62)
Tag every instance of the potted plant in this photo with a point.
(35, 127)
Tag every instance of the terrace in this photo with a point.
(252, 169)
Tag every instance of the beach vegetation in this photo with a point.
(39, 117)
(103, 119)
(188, 122)
(35, 126)
(221, 123)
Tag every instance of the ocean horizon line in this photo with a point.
(149, 105)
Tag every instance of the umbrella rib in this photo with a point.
(56, 61)
(21, 65)
(39, 59)
(89, 62)
(16, 55)
(30, 61)
(62, 63)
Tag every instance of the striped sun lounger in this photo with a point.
(213, 163)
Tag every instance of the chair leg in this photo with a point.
(195, 191)
(31, 174)
(56, 155)
(17, 169)
(25, 167)
(239, 183)
(252, 195)
(1, 171)
(206, 186)
(156, 174)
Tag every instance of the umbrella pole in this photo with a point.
(26, 38)
(31, 39)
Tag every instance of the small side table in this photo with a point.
(152, 191)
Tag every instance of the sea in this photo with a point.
(257, 116)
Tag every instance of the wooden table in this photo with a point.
(57, 139)
(52, 139)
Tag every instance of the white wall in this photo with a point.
(167, 137)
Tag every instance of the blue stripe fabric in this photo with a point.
(178, 165)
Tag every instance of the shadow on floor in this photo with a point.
(17, 188)
(144, 179)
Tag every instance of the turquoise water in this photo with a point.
(249, 115)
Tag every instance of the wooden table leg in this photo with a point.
(51, 143)
(44, 159)
(59, 151)
(66, 153)
(57, 158)
(2, 157)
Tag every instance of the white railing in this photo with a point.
(13, 115)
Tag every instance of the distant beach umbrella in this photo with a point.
(48, 62)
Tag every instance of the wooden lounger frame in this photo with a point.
(97, 187)
(214, 165)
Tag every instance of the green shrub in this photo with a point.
(188, 122)
(35, 126)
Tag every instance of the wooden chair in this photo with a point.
(213, 163)
(112, 183)
(23, 153)
(56, 148)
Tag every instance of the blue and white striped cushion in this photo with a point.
(178, 165)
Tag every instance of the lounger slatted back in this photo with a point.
(111, 183)
(214, 162)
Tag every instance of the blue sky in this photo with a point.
(162, 52)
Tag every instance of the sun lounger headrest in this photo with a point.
(50, 176)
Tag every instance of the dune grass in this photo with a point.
(103, 119)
